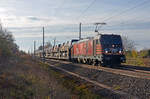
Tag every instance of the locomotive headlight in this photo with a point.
(120, 52)
(106, 51)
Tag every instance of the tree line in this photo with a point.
(7, 46)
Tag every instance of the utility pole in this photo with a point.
(31, 51)
(34, 48)
(43, 47)
(1, 25)
(54, 41)
(80, 31)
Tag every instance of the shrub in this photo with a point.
(134, 54)
(144, 53)
(7, 46)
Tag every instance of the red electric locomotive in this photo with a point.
(104, 49)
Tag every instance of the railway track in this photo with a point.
(122, 95)
(126, 79)
(123, 70)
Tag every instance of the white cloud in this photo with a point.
(26, 17)
(37, 35)
(2, 10)
(32, 21)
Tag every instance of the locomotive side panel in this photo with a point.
(98, 49)
(75, 51)
(80, 45)
(82, 49)
(90, 48)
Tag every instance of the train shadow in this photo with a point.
(132, 68)
(121, 67)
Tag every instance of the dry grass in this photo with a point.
(138, 62)
(79, 89)
(23, 78)
(26, 79)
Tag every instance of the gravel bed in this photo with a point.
(104, 93)
(133, 86)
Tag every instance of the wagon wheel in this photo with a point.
(90, 62)
(95, 63)
(100, 64)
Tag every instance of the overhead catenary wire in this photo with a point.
(136, 18)
(83, 12)
(122, 12)
(59, 6)
(128, 9)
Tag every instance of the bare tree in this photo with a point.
(7, 45)
(48, 45)
(128, 44)
(40, 47)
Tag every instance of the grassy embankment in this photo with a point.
(23, 78)
(135, 58)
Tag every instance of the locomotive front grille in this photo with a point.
(114, 58)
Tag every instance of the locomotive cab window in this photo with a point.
(109, 40)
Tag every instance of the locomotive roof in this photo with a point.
(97, 37)
(86, 39)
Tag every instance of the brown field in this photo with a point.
(138, 62)
(23, 78)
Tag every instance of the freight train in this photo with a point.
(103, 49)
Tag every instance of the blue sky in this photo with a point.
(25, 19)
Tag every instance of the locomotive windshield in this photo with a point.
(109, 40)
